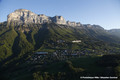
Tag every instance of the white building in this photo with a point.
(76, 41)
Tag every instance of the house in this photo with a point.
(76, 41)
(41, 53)
(60, 41)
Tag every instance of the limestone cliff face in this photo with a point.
(26, 16)
(59, 20)
(21, 16)
(73, 23)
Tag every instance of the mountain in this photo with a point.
(115, 32)
(21, 16)
(25, 33)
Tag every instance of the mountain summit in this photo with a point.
(21, 16)
(25, 16)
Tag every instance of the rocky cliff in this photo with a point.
(26, 16)
(21, 16)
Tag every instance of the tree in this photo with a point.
(46, 76)
(37, 76)
(117, 71)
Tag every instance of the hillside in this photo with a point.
(68, 43)
(18, 40)
(115, 32)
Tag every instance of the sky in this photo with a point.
(105, 13)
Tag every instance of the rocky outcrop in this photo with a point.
(26, 16)
(73, 23)
(59, 20)
(21, 16)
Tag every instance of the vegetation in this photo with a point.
(19, 42)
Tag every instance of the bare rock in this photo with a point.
(59, 20)
(22, 16)
(25, 16)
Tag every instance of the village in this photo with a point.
(63, 54)
(59, 55)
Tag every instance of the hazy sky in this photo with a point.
(105, 13)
